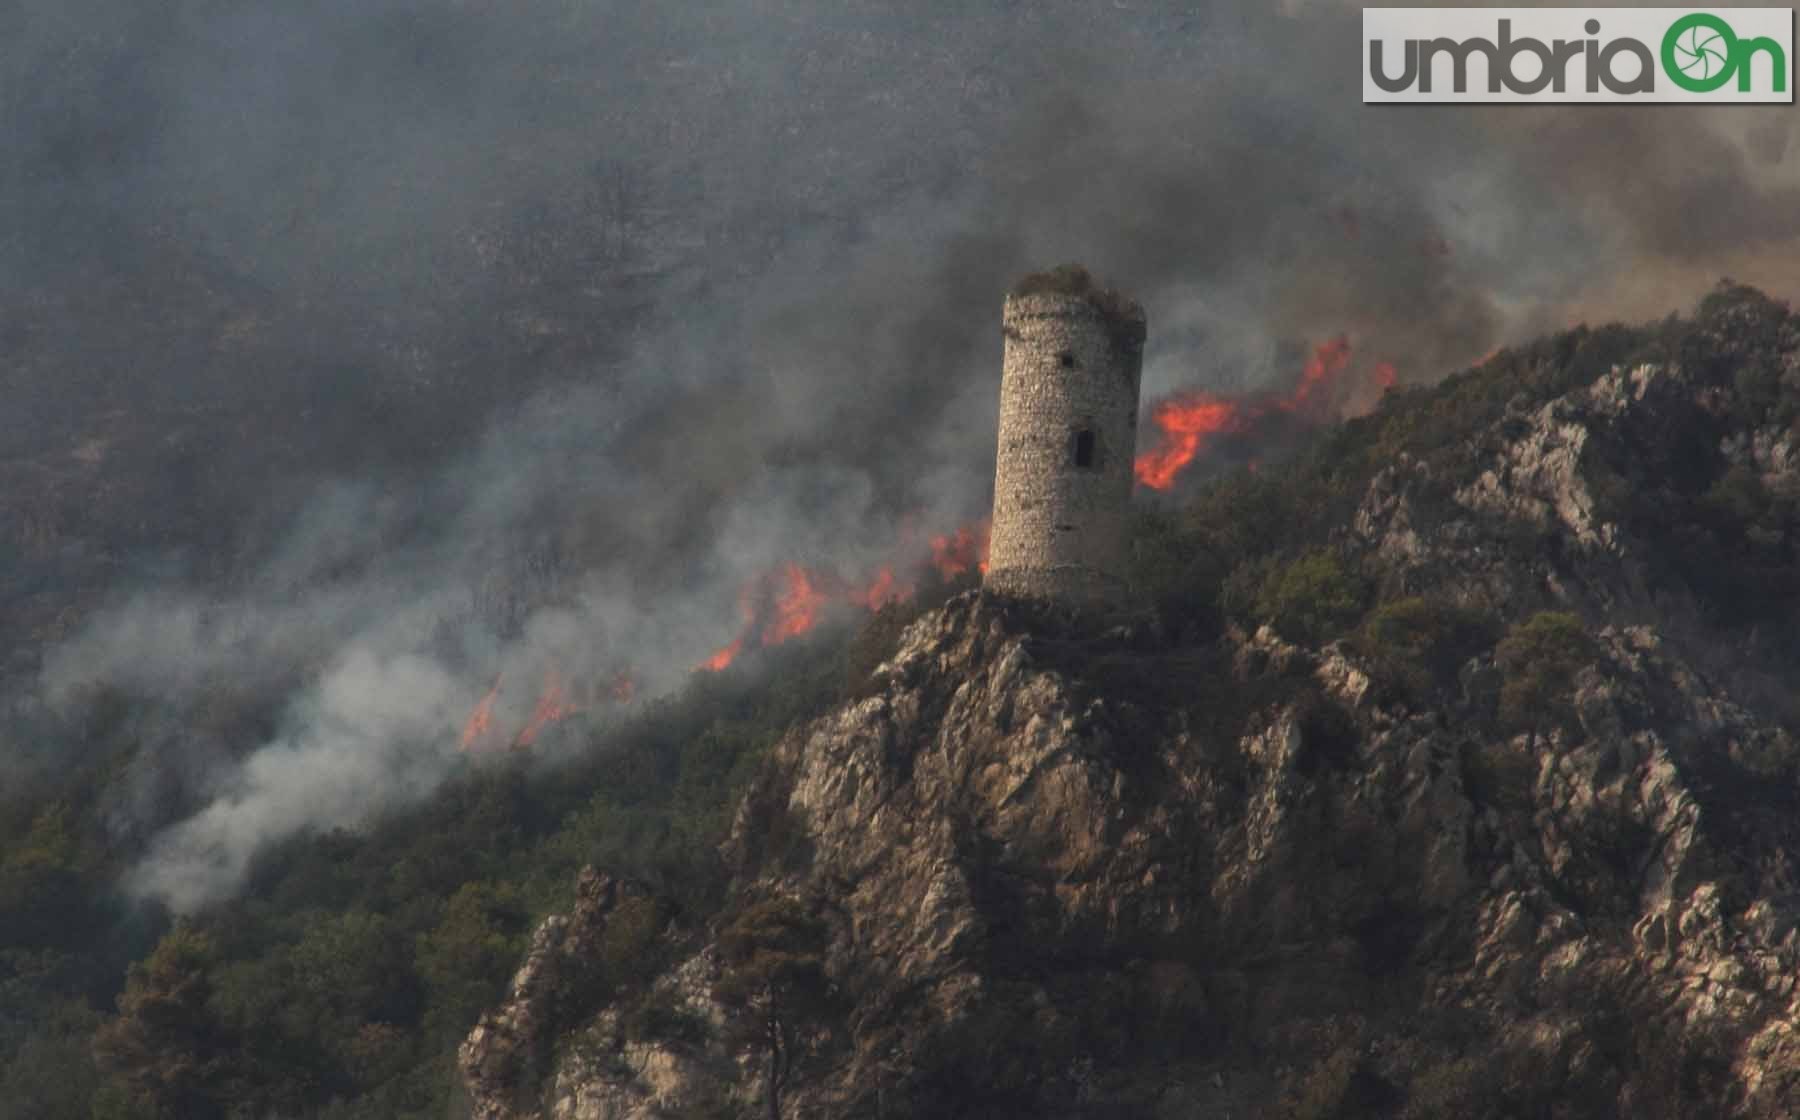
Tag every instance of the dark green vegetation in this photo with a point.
(339, 984)
(1262, 540)
(774, 981)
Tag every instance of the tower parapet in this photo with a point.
(1068, 435)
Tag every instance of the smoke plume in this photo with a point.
(394, 348)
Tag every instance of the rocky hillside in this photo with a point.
(1448, 770)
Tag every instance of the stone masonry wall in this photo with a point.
(1061, 531)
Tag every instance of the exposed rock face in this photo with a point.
(507, 1053)
(611, 1076)
(1049, 896)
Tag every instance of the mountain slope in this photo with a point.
(1453, 769)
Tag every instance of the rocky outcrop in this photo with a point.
(507, 1054)
(607, 1074)
(1039, 908)
(1271, 884)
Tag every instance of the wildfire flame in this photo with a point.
(481, 720)
(554, 704)
(885, 588)
(954, 554)
(797, 605)
(1328, 360)
(1189, 421)
(788, 603)
(723, 656)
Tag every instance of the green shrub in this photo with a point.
(464, 961)
(1737, 498)
(1175, 570)
(165, 1053)
(773, 982)
(1311, 599)
(1538, 660)
(1416, 645)
(52, 1072)
(632, 937)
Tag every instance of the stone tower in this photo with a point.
(1068, 435)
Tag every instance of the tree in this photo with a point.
(45, 888)
(464, 961)
(1310, 599)
(347, 969)
(774, 977)
(165, 1046)
(1419, 644)
(1538, 660)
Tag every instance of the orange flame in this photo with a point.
(953, 554)
(553, 706)
(786, 604)
(481, 720)
(1328, 360)
(885, 588)
(723, 656)
(797, 606)
(1189, 421)
(778, 608)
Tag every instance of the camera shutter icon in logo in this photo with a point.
(1701, 52)
(1697, 52)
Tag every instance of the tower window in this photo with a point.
(1084, 448)
(1066, 359)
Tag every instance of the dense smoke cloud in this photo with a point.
(528, 337)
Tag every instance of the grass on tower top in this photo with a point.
(1125, 315)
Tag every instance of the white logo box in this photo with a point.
(1700, 52)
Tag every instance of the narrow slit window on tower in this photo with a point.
(1066, 359)
(1084, 448)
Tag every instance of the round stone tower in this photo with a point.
(1068, 435)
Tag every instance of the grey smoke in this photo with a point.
(557, 329)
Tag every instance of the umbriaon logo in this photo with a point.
(1701, 52)
(1714, 55)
